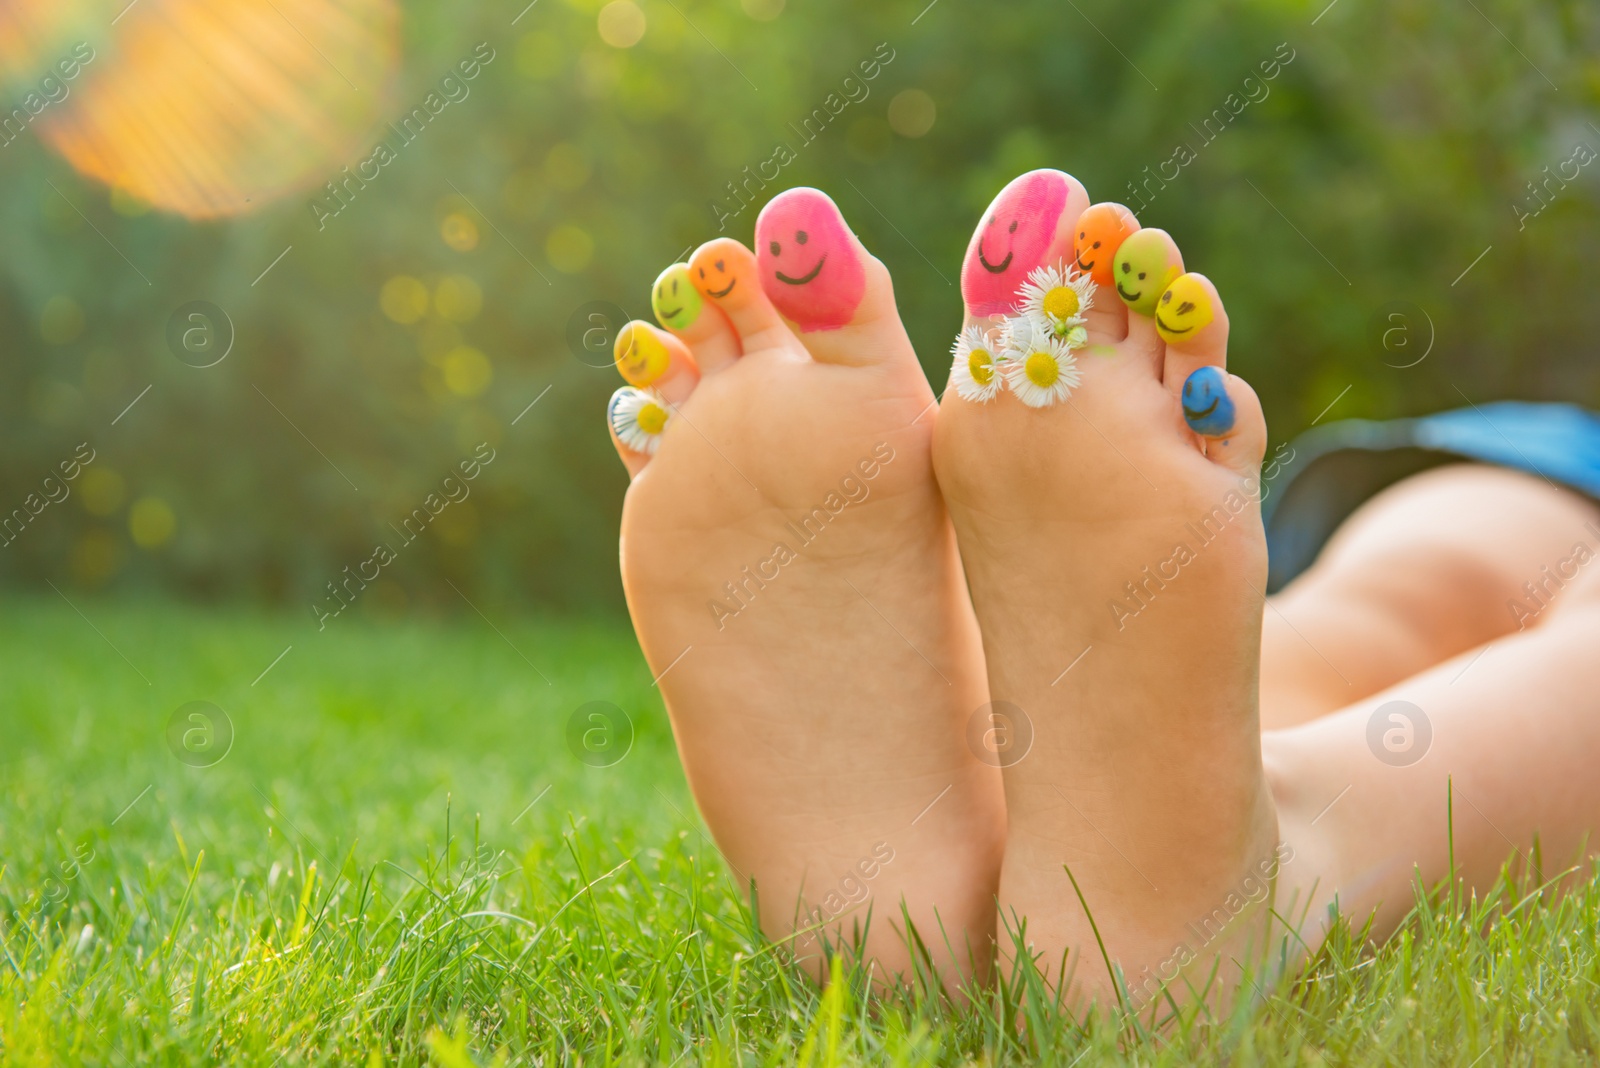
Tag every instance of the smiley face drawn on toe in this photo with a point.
(807, 260)
(708, 286)
(1011, 241)
(1100, 233)
(1206, 406)
(809, 275)
(640, 356)
(717, 268)
(674, 298)
(1143, 270)
(1183, 309)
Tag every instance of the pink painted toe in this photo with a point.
(807, 260)
(1012, 239)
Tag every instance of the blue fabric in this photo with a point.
(1336, 467)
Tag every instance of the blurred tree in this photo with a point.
(1319, 163)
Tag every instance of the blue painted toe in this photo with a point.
(1206, 407)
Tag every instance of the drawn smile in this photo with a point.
(1194, 416)
(1085, 267)
(673, 314)
(1162, 324)
(1128, 296)
(722, 292)
(804, 279)
(993, 268)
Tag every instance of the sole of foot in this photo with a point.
(1101, 468)
(794, 582)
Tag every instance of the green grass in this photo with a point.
(401, 861)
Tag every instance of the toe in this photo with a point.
(638, 420)
(1225, 412)
(661, 374)
(1030, 224)
(820, 278)
(649, 358)
(679, 306)
(1099, 233)
(1189, 317)
(724, 272)
(1144, 266)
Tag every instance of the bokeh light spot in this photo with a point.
(101, 489)
(467, 371)
(621, 24)
(151, 522)
(912, 113)
(570, 248)
(404, 299)
(459, 232)
(95, 557)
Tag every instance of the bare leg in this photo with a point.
(1513, 733)
(1419, 574)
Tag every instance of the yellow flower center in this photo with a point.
(652, 418)
(981, 366)
(1042, 370)
(1061, 303)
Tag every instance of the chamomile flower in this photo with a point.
(1059, 295)
(638, 416)
(975, 369)
(1040, 369)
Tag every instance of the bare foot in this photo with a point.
(793, 577)
(1106, 502)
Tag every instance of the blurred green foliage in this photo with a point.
(1394, 147)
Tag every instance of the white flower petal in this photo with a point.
(1042, 373)
(639, 417)
(968, 365)
(1035, 296)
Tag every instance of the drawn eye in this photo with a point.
(1126, 267)
(1013, 226)
(720, 267)
(1097, 244)
(775, 247)
(1166, 298)
(1141, 274)
(674, 286)
(1186, 307)
(800, 237)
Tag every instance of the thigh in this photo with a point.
(1439, 563)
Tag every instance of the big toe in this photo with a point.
(1028, 225)
(836, 294)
